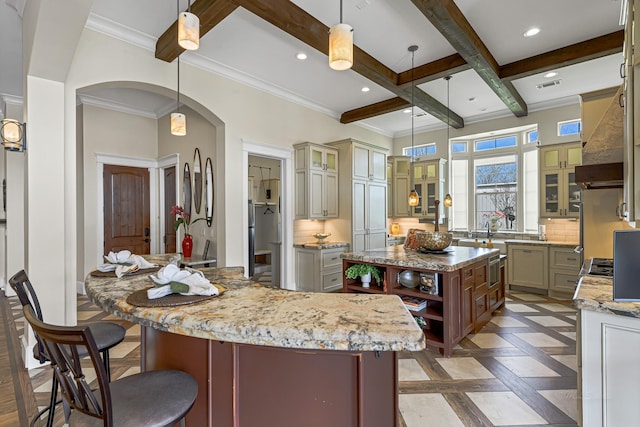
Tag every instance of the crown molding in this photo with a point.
(12, 99)
(116, 106)
(121, 32)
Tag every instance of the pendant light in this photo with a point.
(188, 30)
(178, 120)
(414, 197)
(448, 201)
(341, 45)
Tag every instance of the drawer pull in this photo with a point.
(335, 279)
(572, 259)
(334, 258)
(526, 251)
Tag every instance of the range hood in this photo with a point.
(600, 176)
(603, 152)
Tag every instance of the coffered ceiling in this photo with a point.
(496, 70)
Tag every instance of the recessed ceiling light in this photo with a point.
(365, 89)
(407, 111)
(301, 56)
(531, 32)
(473, 98)
(551, 74)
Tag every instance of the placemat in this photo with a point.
(98, 273)
(140, 299)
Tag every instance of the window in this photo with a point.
(495, 179)
(458, 147)
(421, 150)
(569, 127)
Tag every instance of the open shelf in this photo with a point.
(433, 311)
(357, 287)
(413, 292)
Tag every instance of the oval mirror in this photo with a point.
(186, 189)
(197, 181)
(208, 191)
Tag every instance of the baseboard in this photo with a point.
(80, 288)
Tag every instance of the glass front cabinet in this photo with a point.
(559, 193)
(429, 183)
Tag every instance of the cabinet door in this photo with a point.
(359, 208)
(316, 158)
(400, 196)
(572, 194)
(331, 281)
(331, 195)
(376, 240)
(418, 210)
(378, 166)
(562, 281)
(376, 207)
(574, 156)
(467, 301)
(550, 193)
(316, 194)
(331, 161)
(307, 270)
(551, 158)
(361, 162)
(431, 188)
(528, 266)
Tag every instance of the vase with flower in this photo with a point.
(184, 219)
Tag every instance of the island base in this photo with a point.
(244, 385)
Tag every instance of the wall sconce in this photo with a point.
(13, 135)
(448, 201)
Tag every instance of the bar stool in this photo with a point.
(106, 335)
(154, 398)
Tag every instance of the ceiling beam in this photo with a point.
(210, 13)
(435, 70)
(569, 55)
(373, 110)
(445, 16)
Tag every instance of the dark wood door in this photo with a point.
(126, 209)
(169, 201)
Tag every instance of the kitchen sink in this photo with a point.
(497, 244)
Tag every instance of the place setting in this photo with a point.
(174, 286)
(123, 263)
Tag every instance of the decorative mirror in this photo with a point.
(208, 191)
(186, 188)
(197, 181)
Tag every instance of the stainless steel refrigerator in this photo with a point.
(252, 238)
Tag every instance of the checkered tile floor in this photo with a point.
(519, 370)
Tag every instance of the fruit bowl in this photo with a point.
(433, 240)
(320, 236)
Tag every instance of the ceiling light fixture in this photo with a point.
(551, 74)
(365, 89)
(178, 120)
(341, 45)
(301, 56)
(188, 29)
(13, 135)
(414, 197)
(531, 32)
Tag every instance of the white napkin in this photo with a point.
(124, 262)
(198, 284)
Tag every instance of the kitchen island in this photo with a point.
(608, 338)
(462, 287)
(272, 357)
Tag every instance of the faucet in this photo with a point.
(489, 233)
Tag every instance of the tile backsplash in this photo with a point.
(562, 230)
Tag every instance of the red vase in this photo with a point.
(187, 246)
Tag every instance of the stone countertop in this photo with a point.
(595, 293)
(325, 245)
(543, 243)
(249, 313)
(459, 257)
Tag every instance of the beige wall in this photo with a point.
(108, 132)
(202, 135)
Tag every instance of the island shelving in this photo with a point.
(466, 293)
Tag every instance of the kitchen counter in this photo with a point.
(269, 356)
(325, 245)
(595, 293)
(457, 258)
(543, 243)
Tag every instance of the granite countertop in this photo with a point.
(543, 243)
(459, 257)
(325, 245)
(249, 313)
(595, 293)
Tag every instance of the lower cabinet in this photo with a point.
(319, 270)
(608, 369)
(550, 268)
(451, 304)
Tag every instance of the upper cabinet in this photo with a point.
(399, 181)
(316, 181)
(559, 193)
(369, 163)
(428, 181)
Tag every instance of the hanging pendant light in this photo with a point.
(448, 201)
(178, 120)
(414, 197)
(188, 30)
(341, 45)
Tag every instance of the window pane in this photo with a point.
(530, 203)
(420, 150)
(532, 137)
(569, 128)
(459, 147)
(486, 145)
(490, 144)
(460, 194)
(509, 141)
(496, 192)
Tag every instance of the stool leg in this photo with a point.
(107, 366)
(52, 404)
